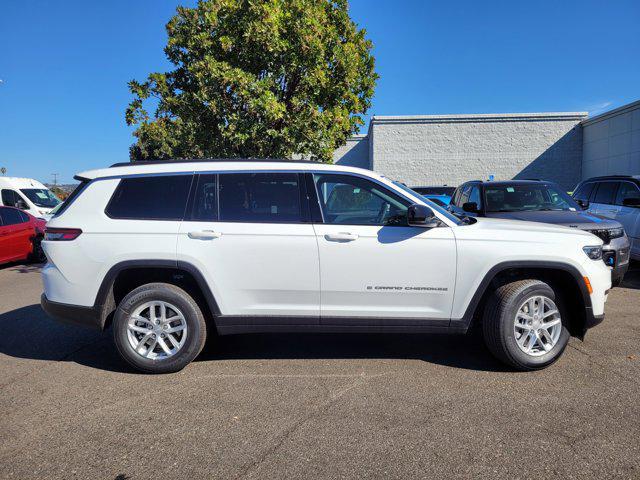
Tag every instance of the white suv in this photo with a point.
(165, 252)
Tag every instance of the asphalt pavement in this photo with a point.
(314, 406)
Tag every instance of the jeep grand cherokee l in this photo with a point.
(164, 252)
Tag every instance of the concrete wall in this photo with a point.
(451, 149)
(612, 142)
(355, 153)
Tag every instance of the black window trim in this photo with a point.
(163, 174)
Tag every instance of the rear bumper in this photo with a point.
(72, 314)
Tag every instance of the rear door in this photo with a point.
(629, 217)
(15, 235)
(5, 239)
(250, 235)
(374, 268)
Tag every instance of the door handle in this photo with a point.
(341, 237)
(204, 235)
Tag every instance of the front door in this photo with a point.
(374, 268)
(250, 236)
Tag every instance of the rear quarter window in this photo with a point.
(150, 198)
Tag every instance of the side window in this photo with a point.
(205, 201)
(464, 196)
(584, 191)
(9, 198)
(24, 217)
(474, 196)
(150, 198)
(627, 190)
(10, 216)
(350, 200)
(606, 192)
(260, 197)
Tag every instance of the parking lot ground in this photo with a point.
(314, 406)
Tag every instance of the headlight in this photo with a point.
(594, 253)
(616, 232)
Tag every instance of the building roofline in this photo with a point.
(612, 113)
(479, 117)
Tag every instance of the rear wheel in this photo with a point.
(523, 325)
(159, 328)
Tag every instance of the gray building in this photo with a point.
(450, 149)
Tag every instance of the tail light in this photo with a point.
(61, 234)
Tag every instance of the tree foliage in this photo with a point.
(255, 78)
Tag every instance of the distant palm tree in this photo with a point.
(3, 170)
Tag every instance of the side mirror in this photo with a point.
(471, 207)
(421, 216)
(583, 203)
(22, 205)
(631, 202)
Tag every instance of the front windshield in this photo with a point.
(41, 197)
(527, 197)
(439, 209)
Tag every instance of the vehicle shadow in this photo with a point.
(29, 333)
(22, 267)
(632, 277)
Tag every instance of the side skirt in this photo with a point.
(237, 324)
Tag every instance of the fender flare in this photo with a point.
(105, 303)
(494, 271)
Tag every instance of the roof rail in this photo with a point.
(204, 160)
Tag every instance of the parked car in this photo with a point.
(165, 250)
(20, 236)
(540, 201)
(27, 194)
(615, 197)
(441, 195)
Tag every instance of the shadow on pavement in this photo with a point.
(632, 277)
(29, 333)
(22, 267)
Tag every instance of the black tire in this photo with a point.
(196, 327)
(498, 325)
(37, 253)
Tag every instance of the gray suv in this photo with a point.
(545, 202)
(616, 197)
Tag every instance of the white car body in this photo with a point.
(309, 274)
(11, 186)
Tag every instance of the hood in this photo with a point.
(528, 228)
(579, 219)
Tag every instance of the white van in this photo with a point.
(27, 194)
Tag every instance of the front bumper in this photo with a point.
(72, 314)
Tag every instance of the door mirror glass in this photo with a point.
(421, 216)
(631, 202)
(21, 204)
(584, 204)
(471, 207)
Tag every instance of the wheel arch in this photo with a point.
(564, 278)
(127, 275)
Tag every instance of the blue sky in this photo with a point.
(64, 66)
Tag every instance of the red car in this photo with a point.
(20, 236)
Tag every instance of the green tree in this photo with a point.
(3, 170)
(255, 78)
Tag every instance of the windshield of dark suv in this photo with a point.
(527, 197)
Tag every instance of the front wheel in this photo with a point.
(159, 328)
(523, 325)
